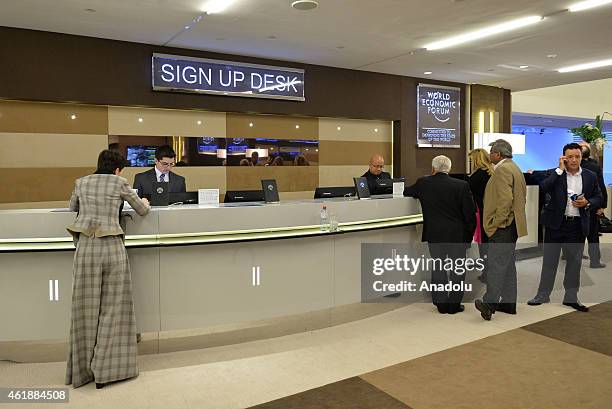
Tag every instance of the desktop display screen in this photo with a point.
(543, 146)
(141, 156)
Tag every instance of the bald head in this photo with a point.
(377, 164)
(585, 148)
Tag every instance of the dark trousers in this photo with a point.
(570, 238)
(501, 273)
(446, 301)
(593, 239)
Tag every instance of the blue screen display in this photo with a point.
(543, 146)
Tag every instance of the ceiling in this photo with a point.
(373, 35)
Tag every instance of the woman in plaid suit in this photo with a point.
(102, 346)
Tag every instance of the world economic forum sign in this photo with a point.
(189, 74)
(438, 116)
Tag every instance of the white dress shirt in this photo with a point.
(158, 174)
(574, 186)
(499, 163)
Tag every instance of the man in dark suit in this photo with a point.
(164, 161)
(449, 221)
(572, 193)
(593, 237)
(375, 172)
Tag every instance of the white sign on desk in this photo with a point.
(398, 189)
(208, 196)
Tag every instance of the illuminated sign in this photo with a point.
(438, 116)
(189, 74)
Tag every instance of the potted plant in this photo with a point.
(593, 135)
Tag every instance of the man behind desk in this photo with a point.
(164, 161)
(375, 172)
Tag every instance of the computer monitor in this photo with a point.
(385, 186)
(335, 191)
(232, 196)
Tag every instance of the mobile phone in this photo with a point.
(575, 197)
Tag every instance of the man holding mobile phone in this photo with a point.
(571, 194)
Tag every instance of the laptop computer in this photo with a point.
(270, 190)
(161, 194)
(241, 196)
(385, 186)
(361, 186)
(183, 198)
(334, 191)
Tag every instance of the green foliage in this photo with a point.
(590, 133)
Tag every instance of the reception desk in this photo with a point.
(204, 275)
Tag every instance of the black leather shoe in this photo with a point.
(485, 311)
(537, 300)
(442, 308)
(507, 308)
(577, 306)
(100, 385)
(598, 265)
(460, 308)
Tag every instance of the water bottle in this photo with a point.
(324, 219)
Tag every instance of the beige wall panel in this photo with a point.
(271, 126)
(288, 178)
(59, 204)
(352, 153)
(39, 184)
(50, 150)
(165, 122)
(582, 99)
(41, 117)
(355, 130)
(288, 196)
(343, 175)
(196, 177)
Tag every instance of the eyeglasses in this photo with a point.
(377, 166)
(166, 164)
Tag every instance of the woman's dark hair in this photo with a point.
(108, 161)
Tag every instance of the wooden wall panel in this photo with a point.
(355, 130)
(36, 117)
(288, 178)
(39, 184)
(352, 153)
(165, 122)
(272, 126)
(41, 150)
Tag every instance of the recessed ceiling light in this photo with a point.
(187, 27)
(271, 37)
(139, 119)
(199, 122)
(589, 4)
(73, 116)
(339, 128)
(523, 67)
(90, 10)
(305, 5)
(427, 72)
(483, 33)
(251, 124)
(297, 127)
(216, 6)
(587, 66)
(375, 129)
(551, 56)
